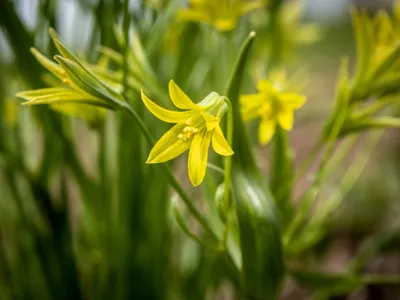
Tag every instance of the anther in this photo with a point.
(180, 136)
(189, 122)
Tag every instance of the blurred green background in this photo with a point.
(81, 217)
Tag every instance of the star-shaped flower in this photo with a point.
(197, 125)
(272, 106)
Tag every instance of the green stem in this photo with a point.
(377, 279)
(183, 224)
(171, 178)
(313, 191)
(216, 168)
(378, 123)
(350, 177)
(228, 159)
(373, 108)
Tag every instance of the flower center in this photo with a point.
(188, 132)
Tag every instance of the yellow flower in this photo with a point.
(272, 106)
(197, 125)
(222, 14)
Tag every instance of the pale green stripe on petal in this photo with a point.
(198, 156)
(220, 144)
(169, 146)
(166, 115)
(179, 98)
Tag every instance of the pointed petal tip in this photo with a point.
(196, 184)
(195, 181)
(53, 33)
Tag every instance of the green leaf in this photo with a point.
(241, 143)
(282, 174)
(162, 23)
(341, 99)
(260, 239)
(336, 284)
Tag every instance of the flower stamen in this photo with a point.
(188, 132)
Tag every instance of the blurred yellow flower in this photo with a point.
(197, 125)
(11, 112)
(290, 32)
(272, 106)
(222, 14)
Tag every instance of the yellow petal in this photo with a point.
(191, 15)
(266, 131)
(292, 101)
(278, 76)
(225, 24)
(179, 98)
(211, 121)
(220, 144)
(168, 146)
(251, 100)
(285, 119)
(166, 115)
(265, 86)
(198, 155)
